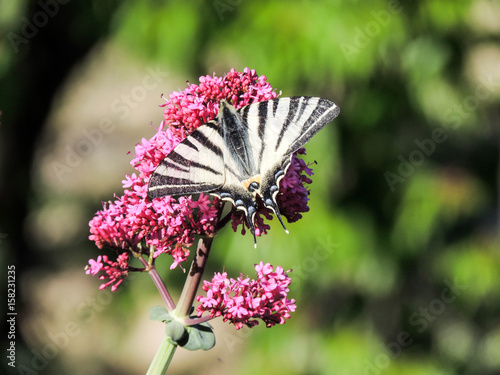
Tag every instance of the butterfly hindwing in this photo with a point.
(195, 165)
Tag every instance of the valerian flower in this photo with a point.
(243, 301)
(114, 271)
(136, 225)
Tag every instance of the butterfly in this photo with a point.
(243, 152)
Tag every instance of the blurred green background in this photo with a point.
(397, 264)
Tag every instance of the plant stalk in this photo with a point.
(163, 357)
(160, 285)
(197, 267)
(194, 277)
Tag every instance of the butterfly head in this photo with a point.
(226, 109)
(253, 184)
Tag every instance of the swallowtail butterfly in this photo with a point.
(243, 152)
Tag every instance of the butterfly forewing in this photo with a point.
(300, 119)
(279, 127)
(196, 165)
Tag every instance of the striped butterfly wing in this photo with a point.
(243, 153)
(278, 128)
(282, 126)
(195, 165)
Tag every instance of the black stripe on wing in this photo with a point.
(194, 166)
(200, 136)
(179, 160)
(262, 113)
(324, 112)
(172, 183)
(295, 110)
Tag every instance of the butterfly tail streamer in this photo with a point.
(277, 213)
(250, 215)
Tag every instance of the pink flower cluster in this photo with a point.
(243, 301)
(292, 197)
(134, 223)
(187, 110)
(114, 271)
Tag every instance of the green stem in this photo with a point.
(162, 358)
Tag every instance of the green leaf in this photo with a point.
(200, 336)
(160, 313)
(175, 331)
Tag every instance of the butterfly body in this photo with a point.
(243, 153)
